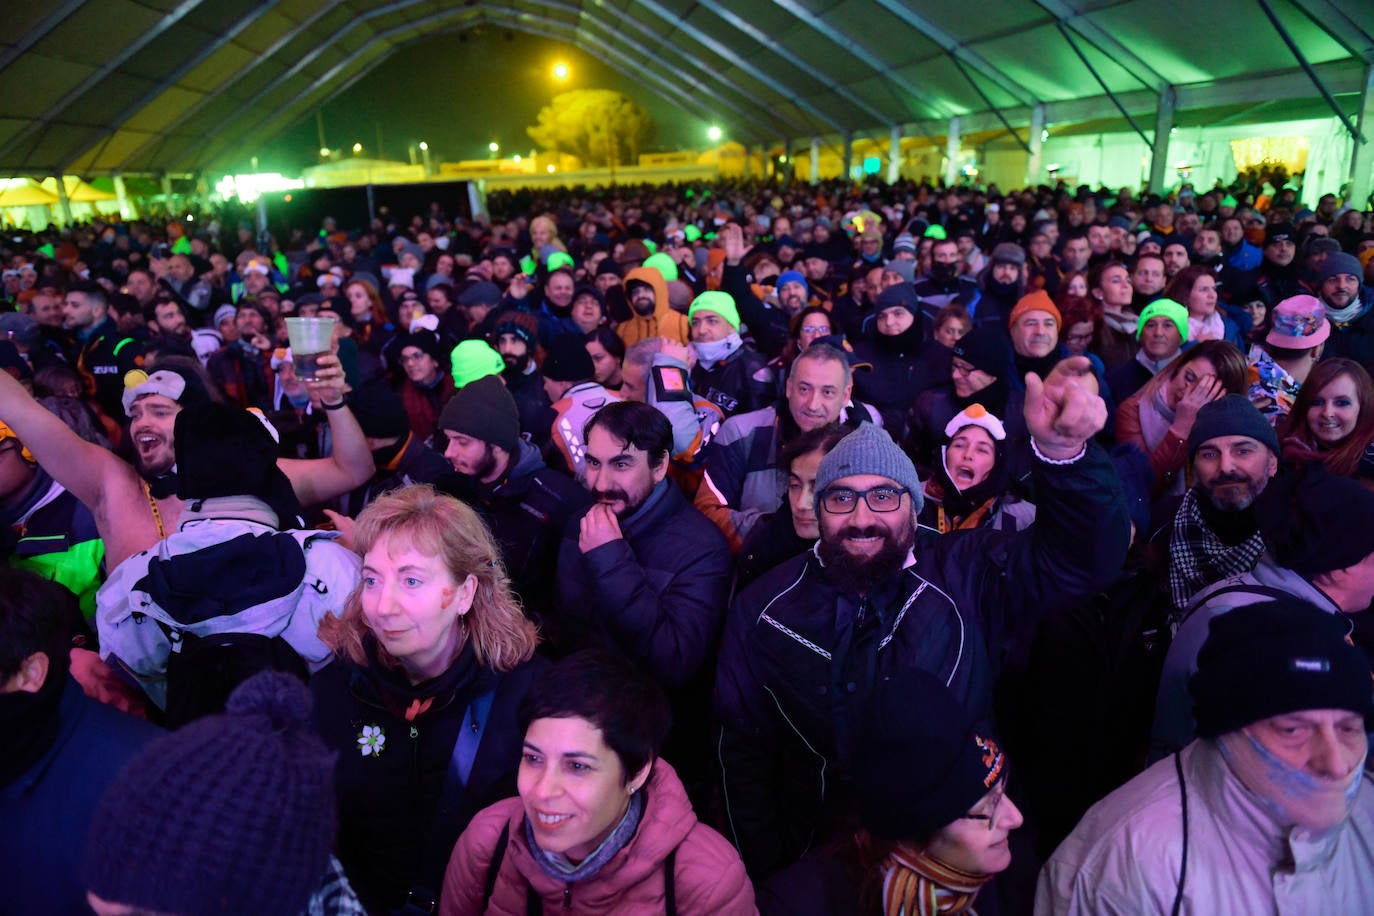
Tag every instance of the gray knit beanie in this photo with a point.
(869, 450)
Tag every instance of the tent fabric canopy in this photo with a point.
(96, 86)
(78, 191)
(24, 193)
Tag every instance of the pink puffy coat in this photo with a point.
(709, 875)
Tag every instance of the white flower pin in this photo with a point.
(372, 740)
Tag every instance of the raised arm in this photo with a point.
(86, 470)
(350, 466)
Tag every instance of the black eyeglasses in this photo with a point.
(842, 501)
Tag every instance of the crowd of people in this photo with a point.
(833, 549)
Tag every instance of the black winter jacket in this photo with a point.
(800, 655)
(397, 826)
(743, 382)
(658, 595)
(526, 511)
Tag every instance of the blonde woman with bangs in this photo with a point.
(433, 654)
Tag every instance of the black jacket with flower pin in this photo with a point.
(395, 742)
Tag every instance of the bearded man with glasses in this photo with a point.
(806, 644)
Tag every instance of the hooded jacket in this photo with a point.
(526, 510)
(1174, 724)
(222, 575)
(664, 322)
(708, 876)
(1126, 854)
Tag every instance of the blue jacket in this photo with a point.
(46, 812)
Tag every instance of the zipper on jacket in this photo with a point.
(567, 896)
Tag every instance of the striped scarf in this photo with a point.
(914, 884)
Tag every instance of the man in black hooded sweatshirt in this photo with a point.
(1280, 273)
(980, 373)
(891, 349)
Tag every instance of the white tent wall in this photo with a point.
(1117, 159)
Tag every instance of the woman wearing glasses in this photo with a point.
(934, 819)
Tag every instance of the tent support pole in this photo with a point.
(1311, 74)
(952, 153)
(815, 159)
(894, 154)
(988, 102)
(64, 199)
(1037, 128)
(1362, 157)
(1064, 30)
(848, 154)
(1164, 125)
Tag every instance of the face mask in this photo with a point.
(1295, 797)
(442, 243)
(715, 351)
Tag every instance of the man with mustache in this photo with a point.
(1234, 452)
(743, 480)
(1315, 543)
(524, 502)
(1349, 308)
(1268, 811)
(646, 575)
(806, 643)
(135, 506)
(641, 571)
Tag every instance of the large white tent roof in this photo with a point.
(96, 86)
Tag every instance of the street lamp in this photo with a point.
(324, 152)
(714, 133)
(494, 148)
(424, 153)
(560, 71)
(357, 148)
(424, 147)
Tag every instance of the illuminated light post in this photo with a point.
(560, 71)
(357, 148)
(714, 133)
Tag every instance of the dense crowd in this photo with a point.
(808, 549)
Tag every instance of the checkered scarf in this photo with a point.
(1198, 558)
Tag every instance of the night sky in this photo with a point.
(458, 95)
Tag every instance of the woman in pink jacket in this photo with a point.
(601, 824)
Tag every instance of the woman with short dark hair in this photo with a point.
(601, 824)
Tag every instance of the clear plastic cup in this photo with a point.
(311, 338)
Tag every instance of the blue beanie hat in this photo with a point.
(791, 276)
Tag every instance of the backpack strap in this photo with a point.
(670, 883)
(1242, 588)
(1183, 866)
(498, 855)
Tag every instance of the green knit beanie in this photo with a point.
(716, 301)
